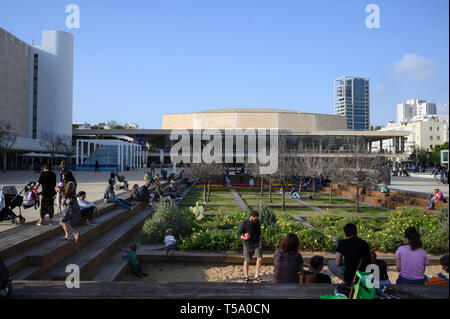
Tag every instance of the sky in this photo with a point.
(136, 60)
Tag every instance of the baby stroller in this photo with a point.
(120, 179)
(10, 199)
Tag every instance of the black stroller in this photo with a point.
(120, 179)
(10, 199)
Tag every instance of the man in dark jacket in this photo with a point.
(250, 233)
(47, 180)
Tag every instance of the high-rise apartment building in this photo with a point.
(351, 99)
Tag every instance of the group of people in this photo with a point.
(72, 205)
(352, 254)
(399, 171)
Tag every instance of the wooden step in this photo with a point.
(90, 258)
(53, 250)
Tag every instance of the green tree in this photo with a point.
(420, 156)
(435, 156)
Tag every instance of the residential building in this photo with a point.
(351, 100)
(413, 108)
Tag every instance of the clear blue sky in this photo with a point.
(135, 60)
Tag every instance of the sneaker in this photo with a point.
(38, 224)
(247, 280)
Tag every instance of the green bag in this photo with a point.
(361, 290)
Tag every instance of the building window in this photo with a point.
(35, 92)
(431, 138)
(431, 128)
(438, 138)
(437, 128)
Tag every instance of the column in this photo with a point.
(381, 145)
(76, 153)
(82, 152)
(118, 157)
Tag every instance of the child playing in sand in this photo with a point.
(169, 241)
(133, 262)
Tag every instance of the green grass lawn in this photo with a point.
(223, 201)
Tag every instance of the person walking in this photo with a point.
(71, 210)
(250, 232)
(47, 180)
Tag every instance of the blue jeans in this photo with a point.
(404, 281)
(119, 201)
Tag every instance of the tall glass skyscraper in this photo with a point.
(351, 99)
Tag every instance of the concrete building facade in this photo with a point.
(257, 118)
(36, 89)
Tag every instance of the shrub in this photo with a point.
(266, 216)
(166, 216)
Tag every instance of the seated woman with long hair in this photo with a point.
(287, 260)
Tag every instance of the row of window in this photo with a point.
(35, 83)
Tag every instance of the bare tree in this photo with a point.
(313, 168)
(204, 173)
(51, 142)
(333, 170)
(7, 140)
(360, 171)
(67, 146)
(286, 172)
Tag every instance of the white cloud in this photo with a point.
(414, 67)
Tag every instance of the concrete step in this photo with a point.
(53, 250)
(91, 257)
(25, 236)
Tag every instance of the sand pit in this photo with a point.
(191, 272)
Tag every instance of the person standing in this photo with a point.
(352, 254)
(250, 232)
(47, 180)
(61, 170)
(97, 166)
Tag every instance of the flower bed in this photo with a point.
(219, 233)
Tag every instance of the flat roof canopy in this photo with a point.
(159, 132)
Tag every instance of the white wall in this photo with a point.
(55, 83)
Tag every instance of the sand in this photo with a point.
(192, 272)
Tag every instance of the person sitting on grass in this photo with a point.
(87, 208)
(287, 260)
(294, 193)
(133, 262)
(411, 259)
(315, 267)
(110, 196)
(440, 279)
(169, 242)
(384, 277)
(351, 253)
